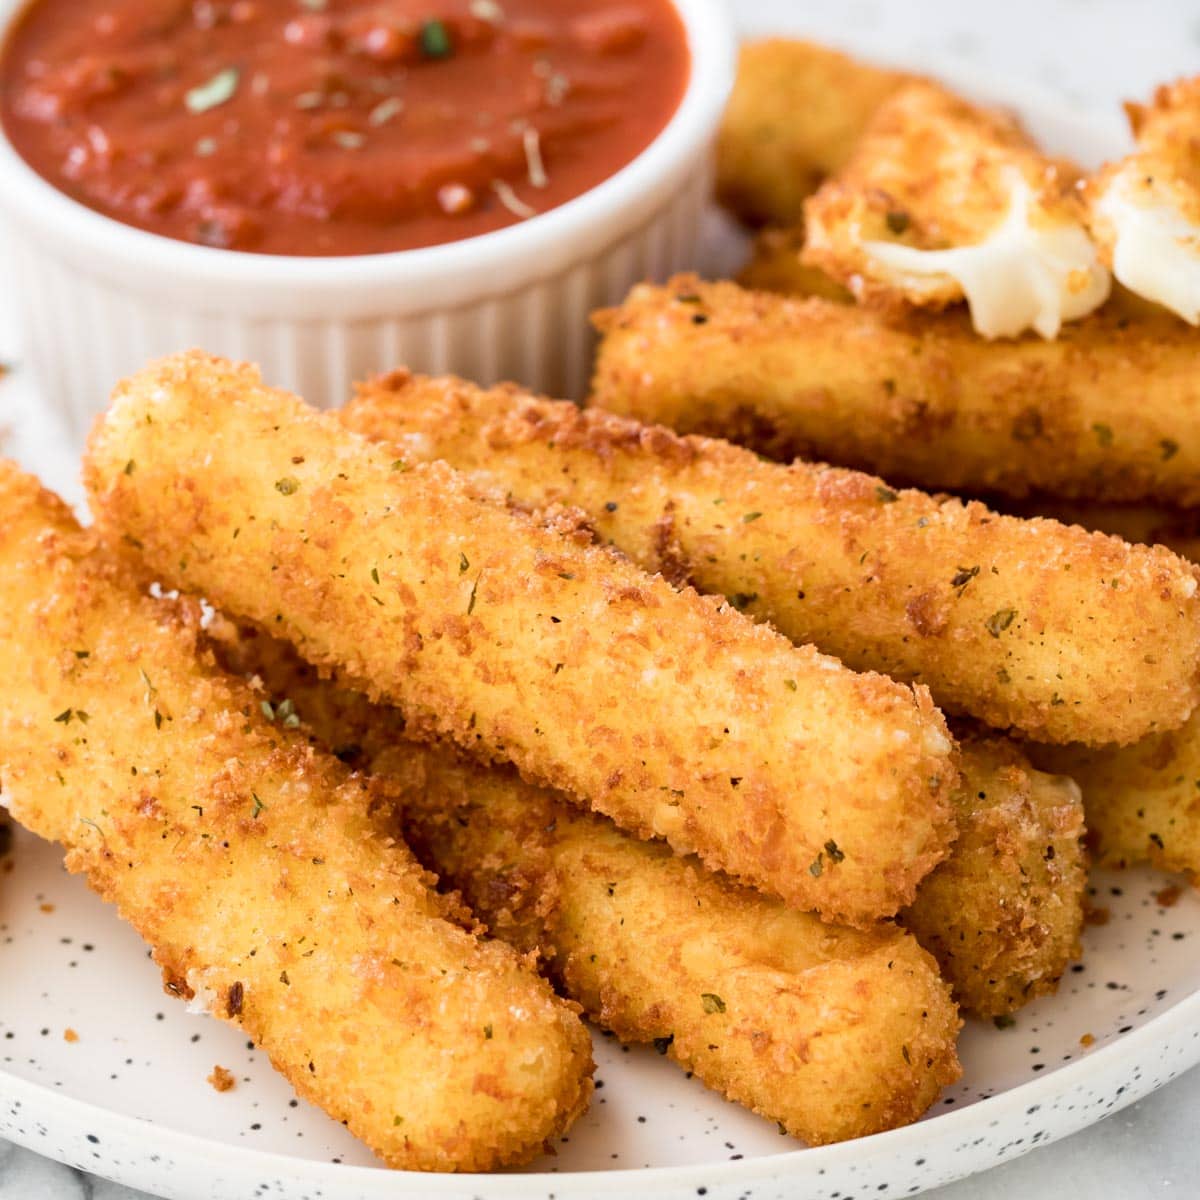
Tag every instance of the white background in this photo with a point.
(1092, 53)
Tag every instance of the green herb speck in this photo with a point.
(712, 1002)
(999, 621)
(435, 41)
(287, 486)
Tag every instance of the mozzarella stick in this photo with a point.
(1064, 635)
(796, 113)
(1145, 209)
(1142, 801)
(1110, 411)
(1144, 524)
(775, 266)
(944, 201)
(832, 1032)
(673, 714)
(249, 863)
(1003, 914)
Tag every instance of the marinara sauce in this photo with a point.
(321, 127)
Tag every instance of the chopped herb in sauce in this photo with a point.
(435, 41)
(712, 1002)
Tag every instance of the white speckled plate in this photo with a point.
(101, 1070)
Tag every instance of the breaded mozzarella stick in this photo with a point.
(1110, 411)
(1064, 635)
(1003, 914)
(832, 1032)
(249, 863)
(672, 714)
(944, 201)
(1145, 209)
(795, 115)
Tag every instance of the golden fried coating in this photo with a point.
(1017, 622)
(775, 266)
(943, 201)
(796, 112)
(1143, 524)
(1003, 914)
(831, 1032)
(1109, 411)
(249, 863)
(1142, 802)
(1145, 209)
(675, 715)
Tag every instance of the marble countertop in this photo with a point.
(1092, 53)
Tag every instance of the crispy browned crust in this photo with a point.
(671, 713)
(898, 582)
(1164, 168)
(796, 113)
(250, 864)
(1003, 914)
(831, 1032)
(1144, 524)
(931, 172)
(1142, 801)
(1109, 411)
(775, 266)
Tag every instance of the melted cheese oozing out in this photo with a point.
(1156, 253)
(1019, 277)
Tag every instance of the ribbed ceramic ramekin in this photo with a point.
(100, 298)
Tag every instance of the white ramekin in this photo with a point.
(98, 298)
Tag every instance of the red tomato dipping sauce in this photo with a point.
(325, 127)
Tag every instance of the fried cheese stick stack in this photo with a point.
(672, 714)
(1064, 635)
(943, 201)
(1003, 914)
(249, 863)
(1143, 801)
(1110, 410)
(796, 112)
(1145, 209)
(832, 1032)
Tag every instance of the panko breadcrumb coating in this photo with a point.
(673, 714)
(1142, 801)
(1025, 624)
(832, 1032)
(249, 862)
(775, 266)
(1145, 209)
(1110, 411)
(1004, 913)
(795, 115)
(943, 201)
